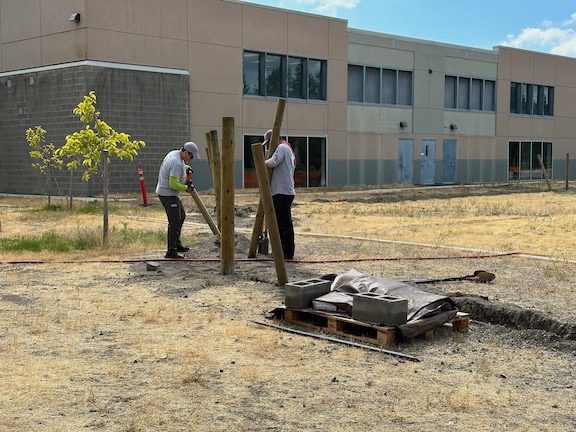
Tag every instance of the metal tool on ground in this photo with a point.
(200, 204)
(342, 341)
(479, 276)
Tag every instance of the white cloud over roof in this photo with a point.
(557, 39)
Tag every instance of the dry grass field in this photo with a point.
(90, 340)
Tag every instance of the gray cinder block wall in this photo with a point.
(152, 106)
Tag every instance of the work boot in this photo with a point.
(173, 254)
(182, 248)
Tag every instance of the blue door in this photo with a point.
(449, 161)
(405, 158)
(427, 160)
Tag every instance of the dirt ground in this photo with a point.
(106, 344)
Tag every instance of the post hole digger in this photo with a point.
(263, 240)
(199, 202)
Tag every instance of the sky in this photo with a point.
(537, 25)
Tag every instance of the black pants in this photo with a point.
(283, 209)
(176, 215)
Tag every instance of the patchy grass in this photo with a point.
(103, 344)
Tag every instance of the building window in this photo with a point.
(373, 85)
(355, 83)
(251, 65)
(531, 99)
(310, 153)
(469, 94)
(266, 74)
(317, 79)
(523, 161)
(273, 75)
(404, 88)
(389, 86)
(450, 92)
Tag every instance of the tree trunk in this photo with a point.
(104, 165)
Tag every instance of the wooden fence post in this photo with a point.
(268, 209)
(227, 199)
(257, 230)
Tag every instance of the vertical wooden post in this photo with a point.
(104, 165)
(567, 168)
(227, 199)
(257, 230)
(268, 208)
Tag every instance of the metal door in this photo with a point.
(427, 159)
(405, 158)
(449, 161)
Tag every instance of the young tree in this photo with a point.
(48, 159)
(93, 147)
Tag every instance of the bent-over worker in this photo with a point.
(172, 181)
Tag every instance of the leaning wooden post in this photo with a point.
(544, 172)
(268, 208)
(257, 230)
(227, 201)
(217, 168)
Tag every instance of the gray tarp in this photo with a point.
(425, 310)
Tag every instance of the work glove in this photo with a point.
(190, 188)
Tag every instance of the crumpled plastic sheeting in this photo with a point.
(425, 310)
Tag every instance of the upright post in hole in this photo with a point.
(142, 187)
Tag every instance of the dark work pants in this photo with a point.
(283, 209)
(176, 215)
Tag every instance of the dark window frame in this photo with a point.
(300, 89)
(459, 94)
(311, 160)
(523, 163)
(531, 99)
(402, 92)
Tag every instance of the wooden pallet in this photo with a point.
(360, 330)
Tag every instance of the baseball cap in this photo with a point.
(267, 136)
(192, 148)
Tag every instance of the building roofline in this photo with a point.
(247, 3)
(421, 41)
(109, 65)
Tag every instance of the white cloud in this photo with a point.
(324, 7)
(560, 40)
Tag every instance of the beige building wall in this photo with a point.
(372, 126)
(543, 69)
(205, 37)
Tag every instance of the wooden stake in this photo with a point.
(205, 213)
(217, 168)
(268, 208)
(257, 230)
(544, 172)
(567, 168)
(227, 201)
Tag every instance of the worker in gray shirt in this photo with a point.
(283, 163)
(172, 179)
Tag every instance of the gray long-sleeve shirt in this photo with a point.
(283, 162)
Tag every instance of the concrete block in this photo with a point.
(379, 309)
(299, 295)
